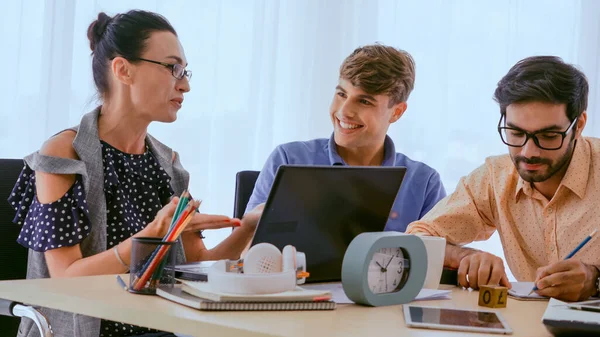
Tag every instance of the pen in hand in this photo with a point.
(586, 240)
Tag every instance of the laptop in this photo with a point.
(320, 209)
(561, 320)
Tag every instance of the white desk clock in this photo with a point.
(384, 268)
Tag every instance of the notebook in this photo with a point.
(177, 295)
(521, 290)
(561, 320)
(204, 291)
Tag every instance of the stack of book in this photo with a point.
(199, 295)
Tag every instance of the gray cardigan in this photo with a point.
(89, 166)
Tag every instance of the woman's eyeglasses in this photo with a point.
(177, 70)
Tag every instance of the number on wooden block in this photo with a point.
(493, 296)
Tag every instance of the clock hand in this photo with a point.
(386, 278)
(391, 258)
(383, 270)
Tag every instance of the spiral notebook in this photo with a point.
(204, 290)
(177, 295)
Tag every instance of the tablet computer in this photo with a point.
(455, 319)
(593, 305)
(321, 209)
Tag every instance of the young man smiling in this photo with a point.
(541, 197)
(374, 84)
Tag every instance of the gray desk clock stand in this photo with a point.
(367, 257)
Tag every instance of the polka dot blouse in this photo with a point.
(135, 187)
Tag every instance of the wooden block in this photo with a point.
(493, 296)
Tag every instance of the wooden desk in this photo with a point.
(100, 296)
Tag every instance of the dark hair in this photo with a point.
(379, 69)
(123, 35)
(544, 79)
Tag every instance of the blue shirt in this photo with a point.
(421, 188)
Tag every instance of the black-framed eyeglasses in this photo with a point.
(546, 140)
(177, 70)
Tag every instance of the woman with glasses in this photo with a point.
(91, 188)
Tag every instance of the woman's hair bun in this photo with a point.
(97, 28)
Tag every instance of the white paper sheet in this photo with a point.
(340, 297)
(522, 289)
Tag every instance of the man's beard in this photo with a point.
(553, 167)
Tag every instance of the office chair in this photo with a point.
(244, 185)
(13, 256)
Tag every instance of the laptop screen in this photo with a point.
(320, 209)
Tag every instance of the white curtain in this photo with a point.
(265, 72)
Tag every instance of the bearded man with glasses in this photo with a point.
(542, 197)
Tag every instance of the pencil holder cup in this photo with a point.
(152, 262)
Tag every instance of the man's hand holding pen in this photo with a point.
(569, 280)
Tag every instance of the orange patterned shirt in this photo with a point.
(534, 231)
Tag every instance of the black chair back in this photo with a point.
(244, 185)
(13, 256)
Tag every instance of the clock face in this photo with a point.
(387, 271)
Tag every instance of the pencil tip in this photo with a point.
(594, 232)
